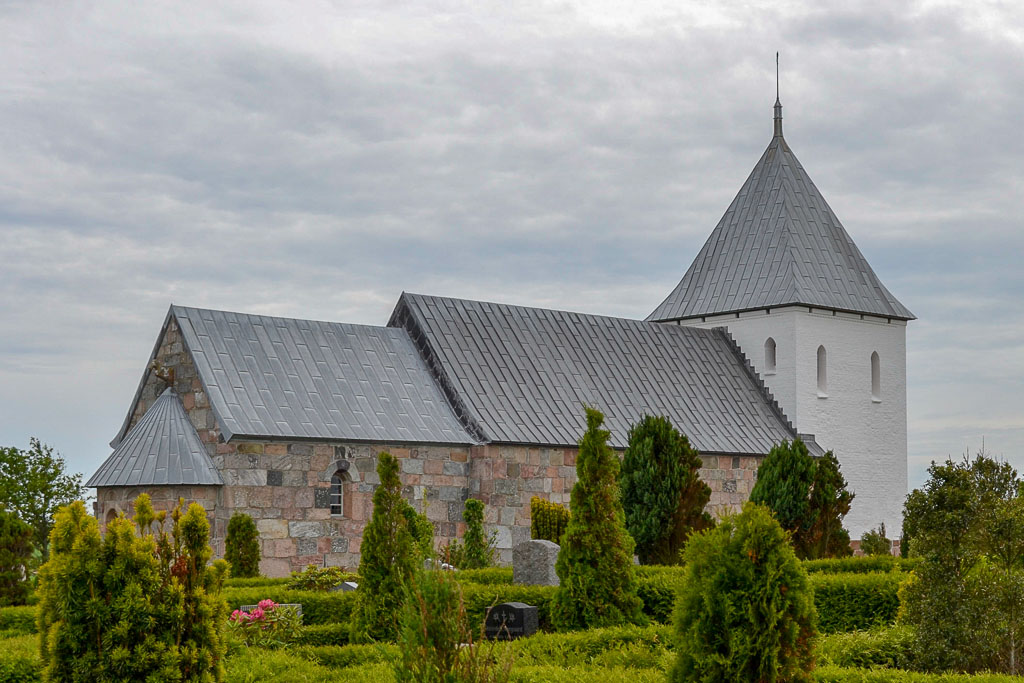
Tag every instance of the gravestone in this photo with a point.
(345, 587)
(511, 620)
(533, 563)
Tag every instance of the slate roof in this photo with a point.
(779, 243)
(282, 378)
(161, 449)
(521, 375)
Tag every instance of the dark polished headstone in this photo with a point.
(511, 620)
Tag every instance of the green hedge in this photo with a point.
(860, 565)
(323, 634)
(317, 607)
(19, 660)
(256, 581)
(488, 575)
(19, 619)
(890, 648)
(852, 602)
(351, 655)
(832, 674)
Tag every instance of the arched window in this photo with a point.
(876, 377)
(337, 494)
(111, 516)
(822, 372)
(769, 356)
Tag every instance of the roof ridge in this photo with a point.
(769, 397)
(404, 317)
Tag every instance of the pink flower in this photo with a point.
(256, 613)
(267, 604)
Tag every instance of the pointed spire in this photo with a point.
(778, 103)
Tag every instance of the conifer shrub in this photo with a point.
(663, 496)
(745, 610)
(874, 542)
(136, 604)
(595, 563)
(479, 548)
(547, 520)
(242, 546)
(422, 531)
(436, 640)
(808, 497)
(15, 556)
(388, 560)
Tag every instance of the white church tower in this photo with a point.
(828, 339)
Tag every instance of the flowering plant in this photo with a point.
(267, 625)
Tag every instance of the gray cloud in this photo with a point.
(317, 160)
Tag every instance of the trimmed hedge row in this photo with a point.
(323, 634)
(317, 607)
(890, 648)
(255, 581)
(853, 602)
(20, 619)
(488, 575)
(833, 674)
(19, 660)
(860, 565)
(845, 602)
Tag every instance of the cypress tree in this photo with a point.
(479, 550)
(663, 496)
(242, 546)
(745, 610)
(387, 560)
(829, 503)
(595, 563)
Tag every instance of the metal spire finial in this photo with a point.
(778, 103)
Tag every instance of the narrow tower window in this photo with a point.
(822, 372)
(337, 494)
(769, 356)
(876, 377)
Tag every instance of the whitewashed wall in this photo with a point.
(868, 436)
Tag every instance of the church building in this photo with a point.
(779, 329)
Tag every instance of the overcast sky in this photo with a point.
(315, 159)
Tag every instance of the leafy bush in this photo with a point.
(809, 498)
(436, 640)
(850, 602)
(268, 625)
(133, 604)
(874, 542)
(387, 562)
(242, 546)
(595, 563)
(967, 522)
(846, 565)
(548, 520)
(831, 674)
(314, 578)
(745, 610)
(890, 647)
(15, 554)
(663, 497)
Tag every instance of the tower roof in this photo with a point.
(779, 243)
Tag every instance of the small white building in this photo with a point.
(781, 273)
